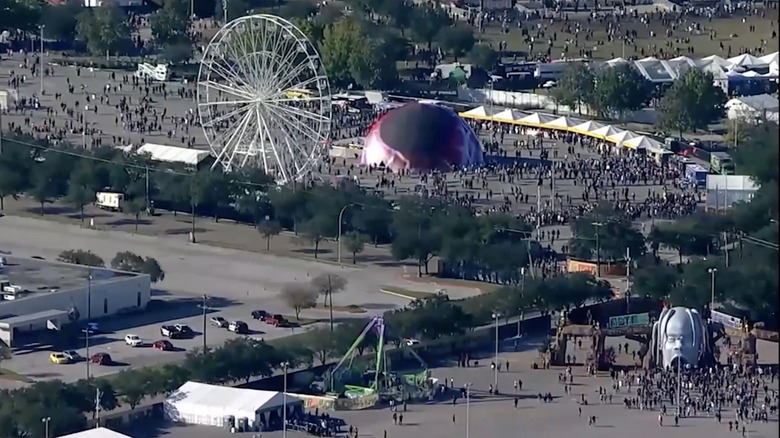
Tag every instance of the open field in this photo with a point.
(732, 37)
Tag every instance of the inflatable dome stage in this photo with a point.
(421, 137)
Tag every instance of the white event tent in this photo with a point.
(587, 127)
(620, 137)
(563, 122)
(605, 132)
(212, 405)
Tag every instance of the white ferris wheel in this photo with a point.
(264, 98)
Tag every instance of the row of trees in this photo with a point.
(241, 359)
(418, 229)
(690, 103)
(122, 261)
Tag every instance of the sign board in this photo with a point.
(726, 320)
(629, 320)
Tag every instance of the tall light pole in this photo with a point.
(496, 315)
(204, 305)
(628, 279)
(598, 226)
(679, 383)
(89, 317)
(522, 294)
(712, 272)
(45, 421)
(468, 408)
(40, 73)
(284, 401)
(84, 126)
(338, 239)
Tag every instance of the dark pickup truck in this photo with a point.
(176, 331)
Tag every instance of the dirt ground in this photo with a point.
(732, 38)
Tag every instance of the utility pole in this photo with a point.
(84, 126)
(539, 205)
(40, 73)
(225, 11)
(726, 248)
(468, 408)
(479, 19)
(679, 384)
(147, 189)
(1, 128)
(628, 279)
(205, 307)
(496, 316)
(598, 226)
(89, 317)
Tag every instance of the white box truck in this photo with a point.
(110, 200)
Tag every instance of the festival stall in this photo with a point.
(537, 120)
(509, 116)
(478, 113)
(605, 132)
(563, 123)
(586, 128)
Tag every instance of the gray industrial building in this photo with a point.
(37, 295)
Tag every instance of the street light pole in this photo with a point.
(338, 239)
(522, 294)
(679, 384)
(205, 307)
(84, 127)
(468, 409)
(89, 317)
(598, 226)
(628, 279)
(45, 422)
(284, 401)
(712, 272)
(496, 315)
(40, 73)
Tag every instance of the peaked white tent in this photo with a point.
(478, 113)
(616, 61)
(746, 60)
(562, 122)
(509, 115)
(587, 127)
(536, 119)
(770, 58)
(619, 137)
(722, 63)
(641, 142)
(605, 132)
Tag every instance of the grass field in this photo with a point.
(731, 38)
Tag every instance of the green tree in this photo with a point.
(620, 90)
(457, 41)
(81, 257)
(60, 20)
(177, 53)
(355, 243)
(326, 285)
(15, 167)
(691, 103)
(104, 29)
(81, 189)
(416, 235)
(607, 232)
(130, 262)
(371, 66)
(575, 88)
(132, 386)
(268, 229)
(298, 296)
(171, 23)
(427, 21)
(199, 191)
(339, 43)
(315, 230)
(484, 57)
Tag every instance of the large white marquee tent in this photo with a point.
(212, 405)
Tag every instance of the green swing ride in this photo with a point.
(357, 377)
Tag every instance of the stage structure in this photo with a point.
(680, 334)
(422, 137)
(263, 98)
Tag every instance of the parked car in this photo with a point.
(218, 321)
(184, 330)
(411, 341)
(239, 327)
(276, 320)
(170, 331)
(163, 345)
(133, 340)
(101, 359)
(259, 314)
(58, 358)
(72, 356)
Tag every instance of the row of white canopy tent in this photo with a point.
(602, 131)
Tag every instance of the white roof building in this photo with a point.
(212, 405)
(100, 432)
(174, 154)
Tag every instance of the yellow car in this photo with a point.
(58, 358)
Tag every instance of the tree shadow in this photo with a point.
(128, 221)
(50, 209)
(181, 231)
(310, 251)
(86, 215)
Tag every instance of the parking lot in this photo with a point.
(236, 282)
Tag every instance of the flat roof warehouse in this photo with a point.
(40, 294)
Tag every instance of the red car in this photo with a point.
(163, 345)
(101, 359)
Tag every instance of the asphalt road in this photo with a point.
(236, 282)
